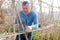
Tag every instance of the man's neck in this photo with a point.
(26, 13)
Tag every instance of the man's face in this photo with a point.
(26, 8)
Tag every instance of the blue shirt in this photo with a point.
(28, 20)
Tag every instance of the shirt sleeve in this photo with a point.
(35, 21)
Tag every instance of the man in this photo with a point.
(28, 17)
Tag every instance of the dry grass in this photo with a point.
(49, 34)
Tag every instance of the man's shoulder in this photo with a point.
(21, 11)
(33, 13)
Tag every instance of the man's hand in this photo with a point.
(16, 26)
(28, 29)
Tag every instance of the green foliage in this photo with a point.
(53, 34)
(36, 35)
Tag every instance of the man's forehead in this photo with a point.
(26, 5)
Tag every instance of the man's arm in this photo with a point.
(34, 26)
(35, 21)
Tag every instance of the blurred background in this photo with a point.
(48, 16)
